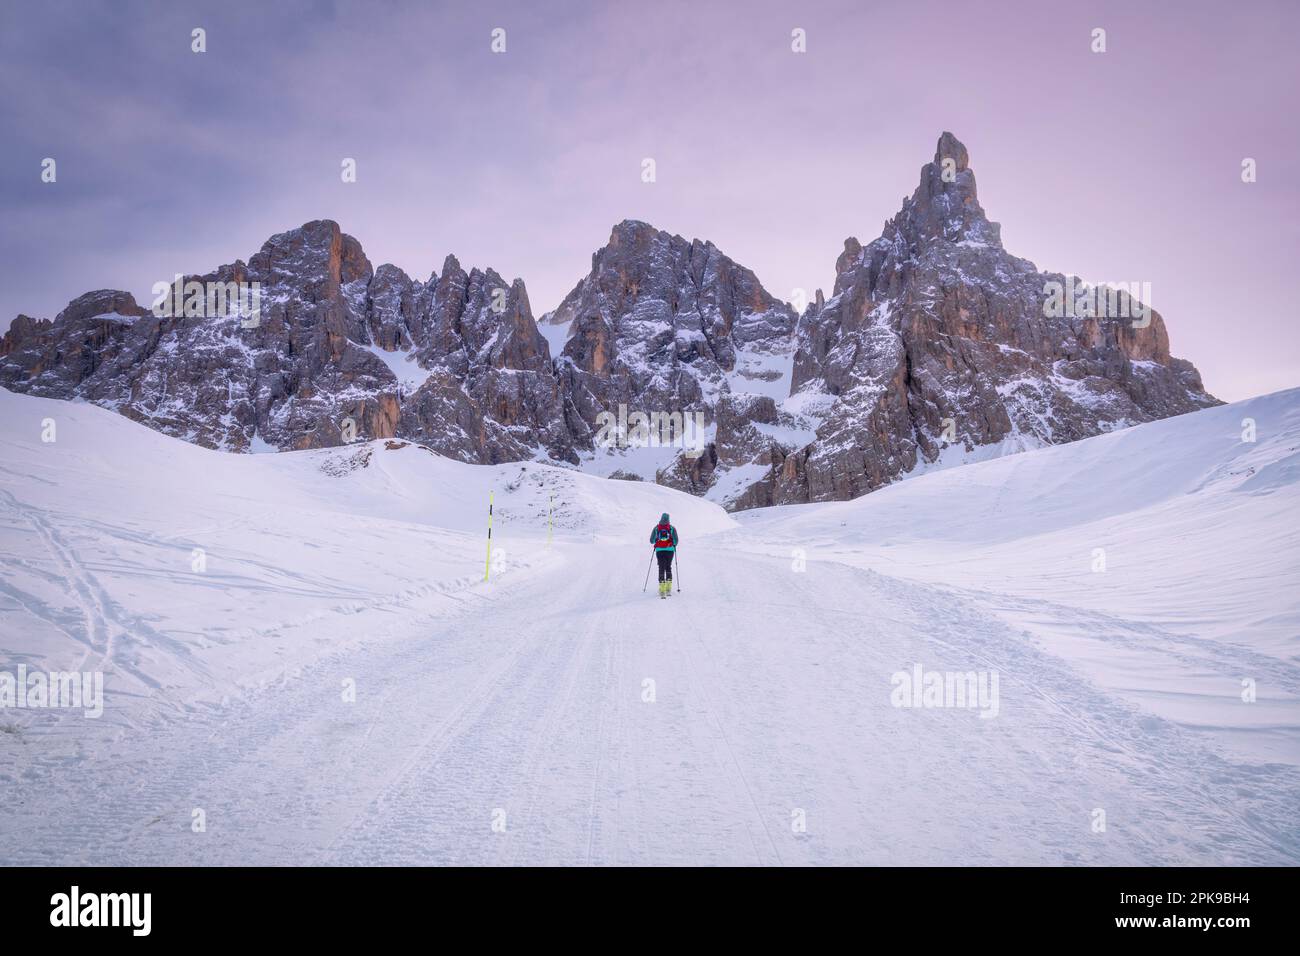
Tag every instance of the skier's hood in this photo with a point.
(663, 518)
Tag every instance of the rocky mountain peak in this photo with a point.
(935, 343)
(315, 256)
(945, 206)
(451, 265)
(950, 147)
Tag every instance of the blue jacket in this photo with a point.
(654, 538)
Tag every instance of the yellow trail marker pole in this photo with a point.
(487, 567)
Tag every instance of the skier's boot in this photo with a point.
(663, 589)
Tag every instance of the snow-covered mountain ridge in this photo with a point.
(936, 345)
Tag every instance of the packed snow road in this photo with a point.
(566, 717)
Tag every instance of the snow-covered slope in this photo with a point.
(559, 714)
(1163, 559)
(186, 573)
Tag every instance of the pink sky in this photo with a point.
(1122, 166)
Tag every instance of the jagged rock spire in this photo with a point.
(945, 206)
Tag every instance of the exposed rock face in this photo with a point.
(935, 335)
(477, 384)
(935, 340)
(662, 325)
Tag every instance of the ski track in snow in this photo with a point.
(500, 703)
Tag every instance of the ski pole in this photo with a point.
(679, 571)
(647, 572)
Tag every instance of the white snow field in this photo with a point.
(1147, 706)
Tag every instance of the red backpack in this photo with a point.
(664, 538)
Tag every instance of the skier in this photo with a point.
(663, 537)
